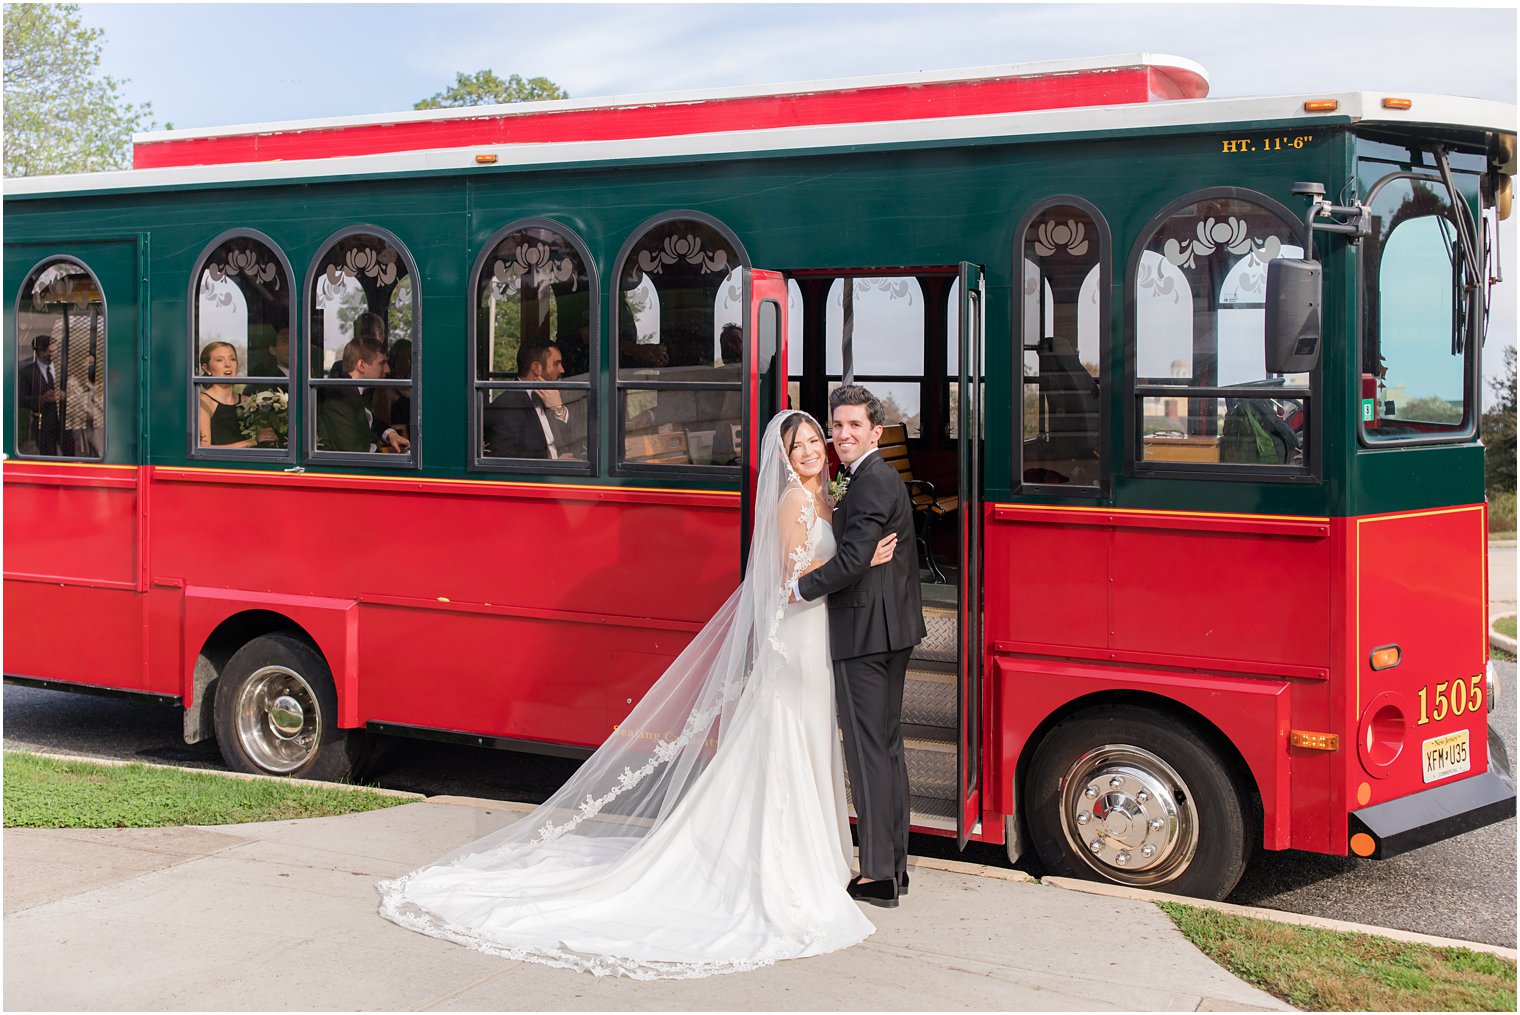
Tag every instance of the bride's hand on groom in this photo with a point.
(884, 550)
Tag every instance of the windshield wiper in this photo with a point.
(1467, 229)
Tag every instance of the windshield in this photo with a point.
(1417, 354)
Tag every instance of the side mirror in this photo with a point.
(1293, 315)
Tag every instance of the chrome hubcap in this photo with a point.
(278, 720)
(1128, 815)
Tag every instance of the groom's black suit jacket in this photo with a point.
(871, 609)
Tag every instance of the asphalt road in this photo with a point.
(1462, 888)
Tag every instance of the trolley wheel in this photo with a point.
(1137, 798)
(277, 713)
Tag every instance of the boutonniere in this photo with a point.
(838, 486)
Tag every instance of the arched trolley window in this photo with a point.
(61, 363)
(679, 306)
(363, 354)
(241, 314)
(1061, 316)
(1201, 399)
(534, 326)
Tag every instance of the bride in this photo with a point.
(709, 833)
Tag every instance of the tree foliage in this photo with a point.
(1499, 431)
(61, 116)
(484, 88)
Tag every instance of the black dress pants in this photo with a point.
(869, 691)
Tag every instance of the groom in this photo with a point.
(875, 618)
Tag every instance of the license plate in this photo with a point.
(1445, 756)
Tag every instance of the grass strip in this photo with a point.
(1505, 626)
(1324, 970)
(54, 793)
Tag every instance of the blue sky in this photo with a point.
(203, 65)
(208, 64)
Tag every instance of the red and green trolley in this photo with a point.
(1188, 392)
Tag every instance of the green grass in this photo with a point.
(1321, 970)
(1505, 626)
(52, 793)
(1501, 514)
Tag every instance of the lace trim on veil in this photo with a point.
(762, 607)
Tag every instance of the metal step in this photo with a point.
(932, 812)
(942, 639)
(932, 773)
(930, 695)
(927, 812)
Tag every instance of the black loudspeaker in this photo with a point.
(1293, 315)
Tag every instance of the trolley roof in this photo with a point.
(1448, 114)
(1063, 84)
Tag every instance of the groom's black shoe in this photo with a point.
(902, 882)
(881, 893)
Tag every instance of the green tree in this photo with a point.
(1499, 431)
(60, 115)
(484, 88)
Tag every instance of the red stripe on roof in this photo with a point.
(930, 100)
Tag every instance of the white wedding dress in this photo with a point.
(740, 861)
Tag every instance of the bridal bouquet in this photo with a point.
(265, 418)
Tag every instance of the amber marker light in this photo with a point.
(485, 159)
(1363, 844)
(1315, 741)
(1386, 657)
(1392, 103)
(1322, 105)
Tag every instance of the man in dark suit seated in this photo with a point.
(523, 423)
(343, 421)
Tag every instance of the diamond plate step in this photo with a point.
(932, 771)
(930, 695)
(942, 639)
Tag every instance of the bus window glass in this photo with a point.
(680, 346)
(886, 342)
(60, 347)
(1203, 393)
(1414, 350)
(363, 339)
(533, 327)
(242, 319)
(1061, 325)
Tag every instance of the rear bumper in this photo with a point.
(1399, 826)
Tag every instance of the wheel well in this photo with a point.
(229, 636)
(1194, 720)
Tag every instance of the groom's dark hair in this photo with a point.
(856, 394)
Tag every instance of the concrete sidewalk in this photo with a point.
(281, 916)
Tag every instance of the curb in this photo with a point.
(1498, 640)
(1277, 916)
(284, 780)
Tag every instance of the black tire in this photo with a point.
(1175, 820)
(277, 712)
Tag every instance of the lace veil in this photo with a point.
(618, 799)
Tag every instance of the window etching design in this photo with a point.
(242, 317)
(1415, 351)
(1202, 394)
(680, 345)
(533, 335)
(1062, 339)
(60, 350)
(363, 351)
